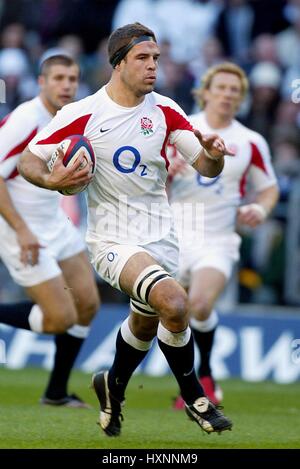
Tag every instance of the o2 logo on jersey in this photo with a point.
(208, 182)
(133, 157)
(111, 256)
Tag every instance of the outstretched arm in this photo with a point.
(211, 158)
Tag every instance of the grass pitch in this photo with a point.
(265, 415)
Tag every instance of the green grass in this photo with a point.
(265, 415)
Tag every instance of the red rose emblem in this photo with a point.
(146, 123)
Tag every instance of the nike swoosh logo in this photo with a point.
(104, 130)
(189, 373)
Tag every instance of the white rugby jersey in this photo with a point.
(127, 200)
(16, 131)
(221, 195)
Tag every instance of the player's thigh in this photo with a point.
(208, 270)
(135, 266)
(43, 281)
(206, 285)
(55, 300)
(79, 279)
(146, 278)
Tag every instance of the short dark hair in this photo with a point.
(121, 37)
(59, 59)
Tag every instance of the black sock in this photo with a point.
(181, 362)
(67, 349)
(204, 341)
(127, 359)
(16, 314)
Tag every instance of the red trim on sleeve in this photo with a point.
(258, 161)
(4, 120)
(13, 174)
(17, 150)
(76, 127)
(243, 181)
(164, 153)
(174, 121)
(257, 158)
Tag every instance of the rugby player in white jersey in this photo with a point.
(130, 226)
(42, 250)
(205, 269)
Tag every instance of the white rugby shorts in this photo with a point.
(109, 258)
(60, 239)
(218, 252)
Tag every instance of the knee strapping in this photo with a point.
(142, 308)
(147, 280)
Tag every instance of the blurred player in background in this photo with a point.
(205, 269)
(41, 248)
(130, 226)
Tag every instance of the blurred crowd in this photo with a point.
(262, 36)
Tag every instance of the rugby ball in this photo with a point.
(73, 146)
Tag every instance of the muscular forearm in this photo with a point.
(34, 170)
(207, 166)
(268, 198)
(7, 209)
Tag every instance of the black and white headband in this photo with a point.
(119, 55)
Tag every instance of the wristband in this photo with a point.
(260, 209)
